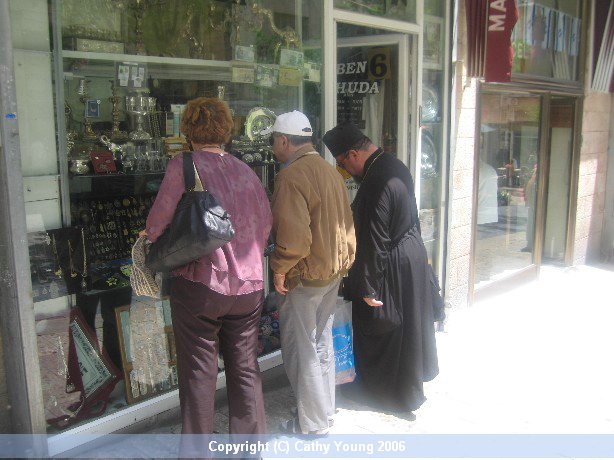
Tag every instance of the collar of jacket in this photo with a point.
(302, 151)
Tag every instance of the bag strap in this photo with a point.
(191, 177)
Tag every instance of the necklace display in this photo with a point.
(374, 160)
(58, 272)
(73, 273)
(84, 274)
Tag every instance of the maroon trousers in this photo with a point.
(205, 322)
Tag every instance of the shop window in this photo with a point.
(404, 10)
(127, 69)
(432, 161)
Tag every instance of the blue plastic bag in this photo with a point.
(342, 342)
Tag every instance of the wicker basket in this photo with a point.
(144, 282)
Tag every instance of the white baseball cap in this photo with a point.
(294, 123)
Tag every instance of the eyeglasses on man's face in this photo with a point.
(272, 139)
(341, 159)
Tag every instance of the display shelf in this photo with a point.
(92, 64)
(165, 61)
(115, 290)
(111, 185)
(111, 175)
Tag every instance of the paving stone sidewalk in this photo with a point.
(536, 359)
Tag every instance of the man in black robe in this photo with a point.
(389, 283)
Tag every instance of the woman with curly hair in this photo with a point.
(216, 300)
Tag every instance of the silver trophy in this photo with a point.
(140, 106)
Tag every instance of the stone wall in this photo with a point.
(5, 416)
(461, 174)
(592, 178)
(607, 241)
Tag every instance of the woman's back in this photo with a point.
(237, 267)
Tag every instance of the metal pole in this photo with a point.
(16, 305)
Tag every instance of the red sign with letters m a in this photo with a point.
(502, 16)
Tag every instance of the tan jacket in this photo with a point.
(312, 222)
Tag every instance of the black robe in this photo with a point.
(394, 345)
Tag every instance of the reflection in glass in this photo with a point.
(404, 10)
(507, 185)
(546, 40)
(559, 174)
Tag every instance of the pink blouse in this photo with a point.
(237, 267)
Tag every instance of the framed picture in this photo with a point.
(433, 42)
(90, 375)
(291, 58)
(266, 76)
(242, 74)
(244, 53)
(147, 346)
(92, 108)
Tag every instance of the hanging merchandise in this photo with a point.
(58, 263)
(88, 371)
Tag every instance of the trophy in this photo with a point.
(140, 106)
(71, 136)
(114, 100)
(83, 98)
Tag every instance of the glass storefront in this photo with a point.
(103, 87)
(404, 10)
(507, 185)
(433, 128)
(523, 213)
(123, 72)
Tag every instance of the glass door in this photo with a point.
(524, 185)
(373, 86)
(562, 113)
(508, 182)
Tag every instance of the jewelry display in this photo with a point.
(73, 273)
(84, 274)
(54, 247)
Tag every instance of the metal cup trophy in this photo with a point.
(140, 106)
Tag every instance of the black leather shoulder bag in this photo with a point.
(200, 226)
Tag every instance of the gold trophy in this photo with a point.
(88, 132)
(116, 133)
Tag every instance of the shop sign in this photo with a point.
(358, 79)
(502, 16)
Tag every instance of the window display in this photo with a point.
(126, 70)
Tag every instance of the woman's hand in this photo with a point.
(143, 233)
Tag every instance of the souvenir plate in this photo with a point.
(429, 157)
(430, 104)
(258, 120)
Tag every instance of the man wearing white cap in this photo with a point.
(314, 234)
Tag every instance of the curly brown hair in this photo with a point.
(207, 120)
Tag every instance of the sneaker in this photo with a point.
(293, 426)
(331, 420)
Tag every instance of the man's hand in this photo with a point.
(280, 280)
(373, 302)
